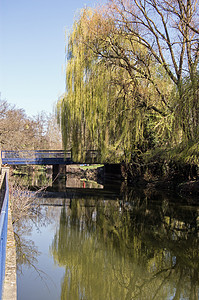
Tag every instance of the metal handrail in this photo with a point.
(3, 231)
(46, 157)
(35, 153)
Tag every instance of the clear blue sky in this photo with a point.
(32, 50)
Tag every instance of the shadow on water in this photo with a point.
(123, 243)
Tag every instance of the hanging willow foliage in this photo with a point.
(187, 112)
(105, 106)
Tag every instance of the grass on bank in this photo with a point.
(90, 167)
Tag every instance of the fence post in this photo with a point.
(5, 171)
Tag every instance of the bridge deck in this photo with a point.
(43, 157)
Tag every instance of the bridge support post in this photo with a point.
(58, 171)
(112, 173)
(113, 170)
(59, 177)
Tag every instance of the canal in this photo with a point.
(118, 243)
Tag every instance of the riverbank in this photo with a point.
(150, 178)
(88, 172)
(184, 188)
(174, 177)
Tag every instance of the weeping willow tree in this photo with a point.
(109, 105)
(87, 111)
(169, 31)
(132, 81)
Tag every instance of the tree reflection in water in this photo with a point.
(26, 250)
(135, 250)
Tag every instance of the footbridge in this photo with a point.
(57, 158)
(45, 157)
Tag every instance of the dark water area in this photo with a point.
(112, 242)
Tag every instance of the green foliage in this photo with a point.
(101, 108)
(187, 109)
(120, 99)
(91, 167)
(186, 154)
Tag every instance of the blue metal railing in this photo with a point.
(3, 229)
(38, 157)
(45, 157)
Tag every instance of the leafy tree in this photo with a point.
(126, 88)
(53, 133)
(17, 131)
(105, 106)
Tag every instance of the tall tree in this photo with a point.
(168, 31)
(127, 65)
(106, 103)
(18, 131)
(53, 133)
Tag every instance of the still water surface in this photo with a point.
(126, 246)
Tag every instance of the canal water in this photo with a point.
(110, 243)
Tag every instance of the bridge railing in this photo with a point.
(35, 156)
(4, 199)
(29, 154)
(46, 157)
